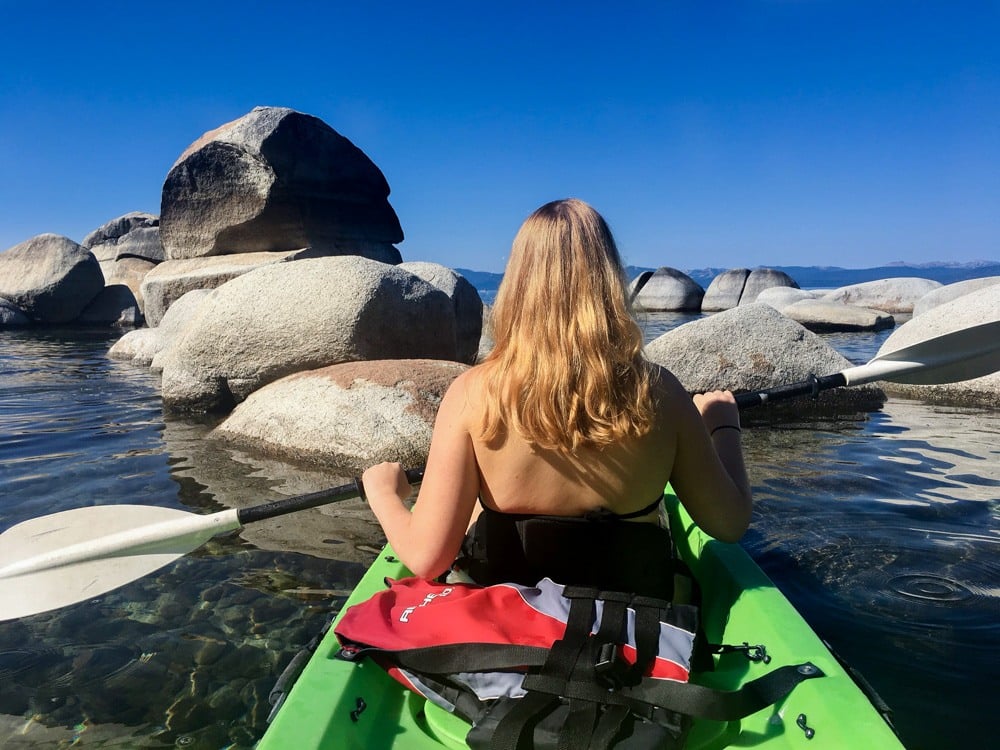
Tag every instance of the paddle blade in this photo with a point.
(68, 557)
(963, 354)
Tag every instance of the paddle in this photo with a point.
(67, 557)
(947, 358)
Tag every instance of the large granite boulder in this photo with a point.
(669, 290)
(50, 278)
(345, 417)
(171, 280)
(725, 290)
(980, 306)
(741, 286)
(143, 344)
(134, 235)
(636, 284)
(288, 317)
(761, 279)
(464, 297)
(752, 347)
(896, 296)
(275, 180)
(951, 291)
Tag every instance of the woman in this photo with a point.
(565, 417)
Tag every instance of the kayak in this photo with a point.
(335, 703)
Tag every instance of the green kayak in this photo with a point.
(341, 704)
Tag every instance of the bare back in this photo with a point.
(518, 477)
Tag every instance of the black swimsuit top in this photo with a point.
(595, 549)
(597, 514)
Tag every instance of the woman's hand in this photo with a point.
(386, 479)
(717, 409)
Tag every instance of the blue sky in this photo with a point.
(764, 132)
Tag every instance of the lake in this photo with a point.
(882, 528)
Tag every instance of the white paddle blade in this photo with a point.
(950, 358)
(67, 557)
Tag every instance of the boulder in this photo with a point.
(50, 278)
(761, 279)
(752, 347)
(636, 285)
(134, 235)
(741, 286)
(288, 317)
(896, 296)
(822, 316)
(669, 290)
(980, 306)
(142, 345)
(114, 305)
(276, 180)
(465, 299)
(138, 346)
(951, 291)
(725, 290)
(12, 316)
(173, 279)
(779, 297)
(345, 417)
(131, 272)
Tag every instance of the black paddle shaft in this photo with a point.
(312, 499)
(810, 387)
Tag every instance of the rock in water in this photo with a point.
(50, 278)
(274, 180)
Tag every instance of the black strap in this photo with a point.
(686, 697)
(517, 727)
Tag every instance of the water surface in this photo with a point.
(882, 528)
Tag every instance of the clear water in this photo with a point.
(883, 530)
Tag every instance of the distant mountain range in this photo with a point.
(808, 277)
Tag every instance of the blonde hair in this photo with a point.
(567, 369)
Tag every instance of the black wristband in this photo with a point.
(725, 427)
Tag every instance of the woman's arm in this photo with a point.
(709, 475)
(428, 538)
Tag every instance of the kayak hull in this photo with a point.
(345, 705)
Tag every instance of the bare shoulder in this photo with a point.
(667, 386)
(464, 393)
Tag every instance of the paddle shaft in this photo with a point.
(313, 499)
(809, 387)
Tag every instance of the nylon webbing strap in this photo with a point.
(688, 698)
(515, 730)
(722, 705)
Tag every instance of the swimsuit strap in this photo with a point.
(594, 514)
(642, 511)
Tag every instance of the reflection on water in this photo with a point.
(886, 537)
(883, 530)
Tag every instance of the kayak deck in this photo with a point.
(341, 704)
